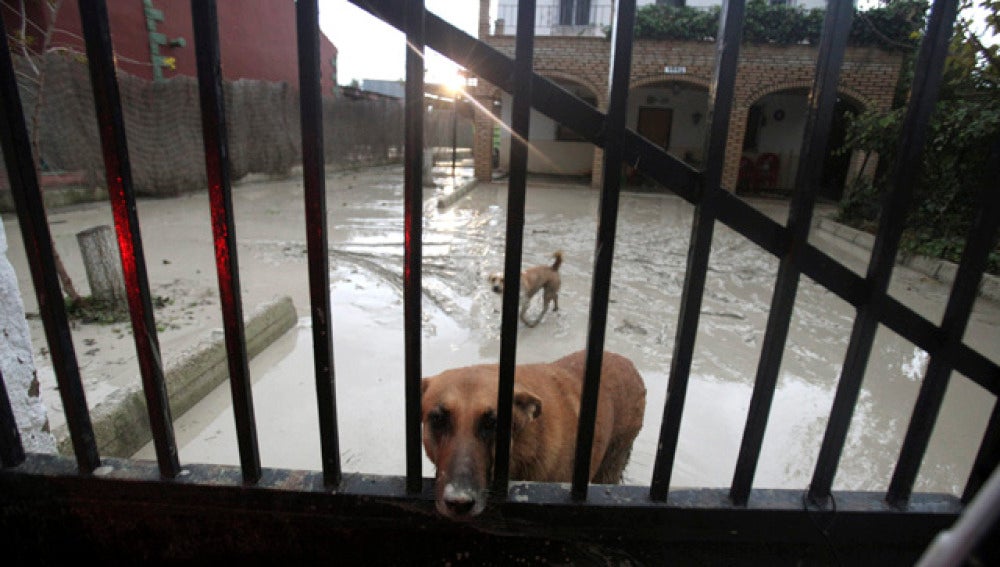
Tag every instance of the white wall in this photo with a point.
(17, 362)
(783, 137)
(545, 153)
(685, 101)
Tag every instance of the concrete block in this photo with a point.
(121, 422)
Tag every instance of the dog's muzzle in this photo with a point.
(498, 289)
(461, 503)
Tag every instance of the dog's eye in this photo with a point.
(439, 420)
(488, 425)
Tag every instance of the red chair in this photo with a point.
(767, 168)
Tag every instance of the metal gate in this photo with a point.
(131, 510)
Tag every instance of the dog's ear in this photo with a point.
(424, 383)
(527, 407)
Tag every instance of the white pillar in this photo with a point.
(18, 364)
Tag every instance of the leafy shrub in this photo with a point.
(896, 26)
(676, 22)
(953, 170)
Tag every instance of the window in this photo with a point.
(574, 12)
(675, 3)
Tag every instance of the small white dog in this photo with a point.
(532, 280)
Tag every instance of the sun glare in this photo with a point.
(455, 83)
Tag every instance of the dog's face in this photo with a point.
(459, 422)
(496, 282)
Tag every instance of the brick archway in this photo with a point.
(561, 78)
(782, 141)
(855, 97)
(649, 81)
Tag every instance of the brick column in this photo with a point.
(734, 148)
(482, 141)
(484, 19)
(597, 169)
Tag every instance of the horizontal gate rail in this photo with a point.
(612, 513)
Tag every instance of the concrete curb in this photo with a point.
(121, 423)
(941, 270)
(459, 192)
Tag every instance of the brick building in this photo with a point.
(154, 39)
(668, 97)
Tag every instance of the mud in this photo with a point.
(461, 325)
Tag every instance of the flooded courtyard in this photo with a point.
(461, 326)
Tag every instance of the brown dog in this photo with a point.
(459, 419)
(532, 280)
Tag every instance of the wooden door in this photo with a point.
(654, 124)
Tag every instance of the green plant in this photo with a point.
(953, 170)
(781, 24)
(676, 22)
(894, 26)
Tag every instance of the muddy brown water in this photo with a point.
(461, 325)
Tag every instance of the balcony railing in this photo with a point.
(549, 22)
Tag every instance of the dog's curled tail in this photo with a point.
(558, 260)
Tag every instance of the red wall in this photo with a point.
(258, 38)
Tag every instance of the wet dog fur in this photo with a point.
(535, 279)
(459, 420)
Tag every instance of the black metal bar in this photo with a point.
(604, 250)
(516, 189)
(213, 125)
(555, 102)
(901, 319)
(702, 228)
(926, 84)
(987, 458)
(832, 275)
(107, 101)
(546, 97)
(23, 178)
(11, 449)
(454, 136)
(819, 116)
(314, 182)
(927, 336)
(753, 224)
(413, 158)
(975, 257)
